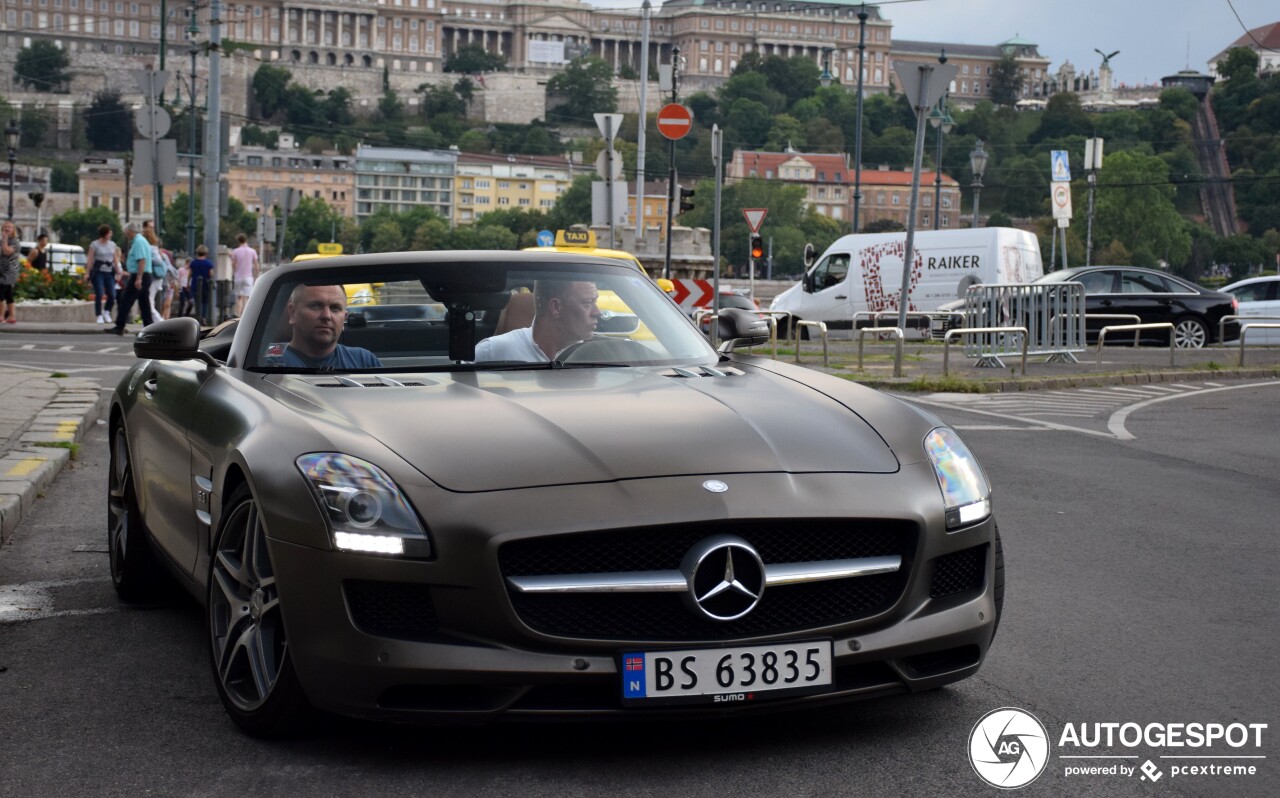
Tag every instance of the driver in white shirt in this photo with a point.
(565, 313)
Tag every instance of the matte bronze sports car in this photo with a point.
(498, 514)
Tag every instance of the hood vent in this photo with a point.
(378, 381)
(697, 372)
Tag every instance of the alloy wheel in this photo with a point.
(245, 622)
(1190, 334)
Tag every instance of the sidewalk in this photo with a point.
(42, 421)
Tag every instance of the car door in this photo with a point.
(166, 398)
(1100, 297)
(1259, 300)
(827, 290)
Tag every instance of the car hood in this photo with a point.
(483, 431)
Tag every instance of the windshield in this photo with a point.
(472, 316)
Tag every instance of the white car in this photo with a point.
(1258, 297)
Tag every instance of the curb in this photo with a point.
(44, 448)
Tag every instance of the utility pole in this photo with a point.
(646, 11)
(192, 32)
(672, 194)
(213, 143)
(857, 135)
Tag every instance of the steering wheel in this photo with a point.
(601, 349)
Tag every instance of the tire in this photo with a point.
(998, 580)
(248, 645)
(1190, 332)
(135, 573)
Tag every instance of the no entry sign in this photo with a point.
(674, 121)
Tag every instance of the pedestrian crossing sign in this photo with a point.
(1061, 168)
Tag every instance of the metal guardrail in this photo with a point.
(967, 331)
(1052, 313)
(897, 334)
(822, 328)
(773, 316)
(1246, 328)
(1222, 325)
(1130, 317)
(876, 315)
(1158, 325)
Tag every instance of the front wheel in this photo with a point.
(247, 641)
(1190, 333)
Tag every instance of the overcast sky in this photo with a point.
(1155, 37)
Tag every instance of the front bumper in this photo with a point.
(469, 658)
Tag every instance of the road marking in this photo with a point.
(26, 466)
(1116, 423)
(33, 601)
(27, 346)
(1000, 427)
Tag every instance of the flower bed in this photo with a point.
(44, 284)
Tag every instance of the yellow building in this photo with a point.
(487, 183)
(103, 183)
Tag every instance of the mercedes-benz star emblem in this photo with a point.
(726, 577)
(715, 486)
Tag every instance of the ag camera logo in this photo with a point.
(1009, 748)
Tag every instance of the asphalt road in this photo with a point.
(100, 357)
(1141, 589)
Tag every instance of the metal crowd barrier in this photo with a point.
(1129, 317)
(896, 332)
(1038, 308)
(876, 315)
(822, 328)
(968, 331)
(1222, 325)
(1160, 325)
(1246, 328)
(773, 316)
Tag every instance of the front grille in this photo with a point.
(401, 610)
(959, 572)
(664, 616)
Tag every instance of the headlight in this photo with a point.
(965, 492)
(365, 510)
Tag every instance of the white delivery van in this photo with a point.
(864, 272)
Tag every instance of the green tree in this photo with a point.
(431, 234)
(390, 108)
(883, 226)
(270, 86)
(441, 100)
(42, 66)
(1006, 80)
(387, 237)
(573, 206)
(81, 226)
(1134, 206)
(586, 85)
(336, 108)
(474, 141)
(300, 108)
(312, 220)
(1241, 253)
(1062, 117)
(65, 178)
(748, 122)
(1181, 102)
(174, 232)
(473, 58)
(483, 236)
(108, 122)
(37, 123)
(753, 86)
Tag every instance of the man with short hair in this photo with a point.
(565, 313)
(317, 314)
(137, 280)
(244, 267)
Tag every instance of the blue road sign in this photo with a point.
(546, 238)
(1061, 168)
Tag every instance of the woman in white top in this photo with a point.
(104, 268)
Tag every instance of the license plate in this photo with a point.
(725, 675)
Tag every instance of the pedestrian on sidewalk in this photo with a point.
(184, 288)
(105, 258)
(9, 269)
(202, 283)
(137, 285)
(38, 257)
(244, 262)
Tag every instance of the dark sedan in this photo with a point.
(1152, 296)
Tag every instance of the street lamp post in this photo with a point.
(941, 120)
(826, 77)
(12, 134)
(857, 135)
(978, 165)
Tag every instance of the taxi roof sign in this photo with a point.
(329, 249)
(576, 238)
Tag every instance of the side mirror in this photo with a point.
(806, 282)
(171, 339)
(740, 327)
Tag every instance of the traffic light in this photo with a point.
(686, 198)
(757, 246)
